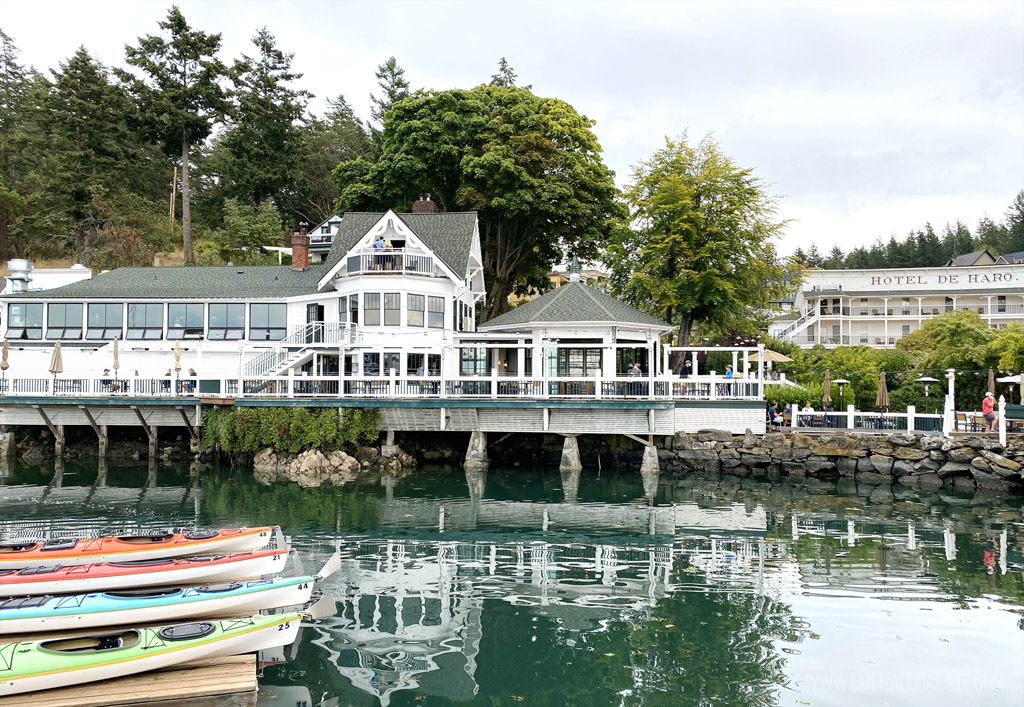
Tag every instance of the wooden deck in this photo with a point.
(216, 682)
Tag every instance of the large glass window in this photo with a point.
(185, 321)
(579, 362)
(414, 364)
(473, 362)
(371, 364)
(267, 322)
(1001, 304)
(105, 321)
(63, 321)
(433, 364)
(353, 309)
(24, 321)
(435, 312)
(145, 321)
(392, 362)
(417, 303)
(392, 309)
(371, 308)
(227, 322)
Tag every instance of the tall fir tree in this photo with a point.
(265, 131)
(180, 97)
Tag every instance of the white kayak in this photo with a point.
(61, 662)
(80, 579)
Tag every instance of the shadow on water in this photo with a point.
(491, 587)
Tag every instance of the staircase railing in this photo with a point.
(301, 336)
(797, 324)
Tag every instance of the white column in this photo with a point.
(1002, 420)
(850, 417)
(885, 321)
(911, 412)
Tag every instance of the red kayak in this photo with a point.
(78, 579)
(83, 551)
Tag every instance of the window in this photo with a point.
(371, 308)
(433, 364)
(1001, 304)
(863, 306)
(353, 309)
(578, 362)
(864, 333)
(906, 330)
(145, 321)
(949, 304)
(528, 364)
(392, 309)
(435, 313)
(392, 362)
(63, 321)
(267, 322)
(417, 303)
(414, 364)
(325, 228)
(472, 362)
(371, 364)
(227, 322)
(184, 321)
(342, 309)
(905, 306)
(24, 321)
(105, 321)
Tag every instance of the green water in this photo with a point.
(540, 590)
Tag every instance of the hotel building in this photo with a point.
(878, 308)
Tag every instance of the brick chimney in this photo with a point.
(300, 248)
(424, 205)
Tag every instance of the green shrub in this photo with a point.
(288, 429)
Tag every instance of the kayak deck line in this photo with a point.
(213, 682)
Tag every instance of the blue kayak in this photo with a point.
(152, 604)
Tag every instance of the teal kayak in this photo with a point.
(129, 607)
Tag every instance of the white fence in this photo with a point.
(851, 419)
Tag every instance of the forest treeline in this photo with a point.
(924, 248)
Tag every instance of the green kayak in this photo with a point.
(60, 662)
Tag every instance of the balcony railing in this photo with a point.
(926, 310)
(389, 261)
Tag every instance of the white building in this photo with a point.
(879, 307)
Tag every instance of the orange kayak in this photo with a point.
(83, 551)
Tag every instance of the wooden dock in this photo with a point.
(215, 682)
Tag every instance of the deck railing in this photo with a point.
(850, 419)
(389, 261)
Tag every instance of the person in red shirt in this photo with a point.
(988, 410)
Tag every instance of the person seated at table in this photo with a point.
(774, 418)
(190, 386)
(807, 409)
(830, 419)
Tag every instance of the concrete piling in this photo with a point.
(476, 454)
(570, 455)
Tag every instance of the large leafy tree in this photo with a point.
(700, 251)
(529, 166)
(265, 132)
(180, 96)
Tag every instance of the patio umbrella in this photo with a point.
(826, 399)
(882, 396)
(117, 361)
(177, 356)
(3, 361)
(991, 380)
(56, 362)
(771, 356)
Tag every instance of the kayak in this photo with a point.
(27, 666)
(15, 554)
(137, 606)
(79, 579)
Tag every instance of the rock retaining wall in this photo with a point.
(316, 468)
(926, 462)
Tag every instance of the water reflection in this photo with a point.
(571, 589)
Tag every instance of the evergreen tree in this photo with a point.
(1015, 224)
(14, 86)
(182, 97)
(993, 236)
(800, 257)
(814, 258)
(247, 229)
(327, 142)
(265, 133)
(394, 88)
(836, 259)
(506, 76)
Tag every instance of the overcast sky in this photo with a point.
(868, 118)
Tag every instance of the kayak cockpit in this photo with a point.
(6, 548)
(145, 539)
(91, 644)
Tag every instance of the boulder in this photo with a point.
(926, 481)
(902, 440)
(773, 440)
(794, 468)
(799, 441)
(903, 468)
(988, 481)
(1000, 461)
(926, 465)
(933, 442)
(909, 453)
(818, 464)
(953, 469)
(749, 440)
(714, 436)
(881, 464)
(846, 466)
(870, 477)
(963, 455)
(682, 440)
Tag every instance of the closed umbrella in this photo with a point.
(177, 356)
(117, 360)
(991, 380)
(4, 365)
(882, 396)
(826, 398)
(56, 364)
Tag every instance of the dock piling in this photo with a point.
(476, 454)
(570, 455)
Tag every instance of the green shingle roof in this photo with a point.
(570, 303)
(448, 234)
(203, 282)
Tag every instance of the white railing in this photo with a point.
(299, 337)
(797, 324)
(856, 420)
(389, 261)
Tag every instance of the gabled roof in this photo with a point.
(448, 234)
(1014, 258)
(571, 303)
(968, 259)
(202, 282)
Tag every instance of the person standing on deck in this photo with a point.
(988, 410)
